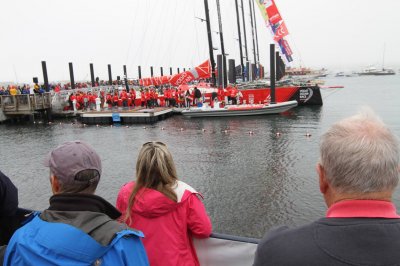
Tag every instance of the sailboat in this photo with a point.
(378, 72)
(373, 71)
(257, 92)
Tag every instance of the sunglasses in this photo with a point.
(154, 142)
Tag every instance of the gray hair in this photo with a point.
(360, 154)
(85, 181)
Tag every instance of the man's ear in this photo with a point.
(55, 184)
(323, 183)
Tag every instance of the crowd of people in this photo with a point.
(117, 95)
(150, 97)
(157, 215)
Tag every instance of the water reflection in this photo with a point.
(250, 182)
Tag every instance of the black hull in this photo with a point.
(308, 95)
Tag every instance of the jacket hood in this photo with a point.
(152, 203)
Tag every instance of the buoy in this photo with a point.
(278, 134)
(308, 134)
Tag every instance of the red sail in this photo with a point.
(200, 72)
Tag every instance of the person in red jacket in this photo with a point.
(109, 100)
(115, 99)
(133, 97)
(142, 98)
(124, 98)
(168, 211)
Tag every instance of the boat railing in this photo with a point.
(217, 250)
(223, 249)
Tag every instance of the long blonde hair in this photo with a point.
(155, 169)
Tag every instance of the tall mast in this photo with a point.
(252, 32)
(221, 37)
(244, 33)
(255, 29)
(240, 39)
(383, 59)
(210, 46)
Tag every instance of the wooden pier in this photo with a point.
(137, 115)
(12, 106)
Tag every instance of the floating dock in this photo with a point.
(134, 116)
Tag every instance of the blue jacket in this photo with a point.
(47, 243)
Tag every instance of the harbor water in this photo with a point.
(250, 182)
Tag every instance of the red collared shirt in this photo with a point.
(362, 208)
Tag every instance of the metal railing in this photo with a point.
(25, 103)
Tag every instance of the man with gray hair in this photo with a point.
(78, 228)
(358, 173)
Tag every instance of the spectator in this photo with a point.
(167, 210)
(79, 227)
(358, 173)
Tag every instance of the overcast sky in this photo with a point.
(338, 35)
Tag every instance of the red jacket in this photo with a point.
(168, 226)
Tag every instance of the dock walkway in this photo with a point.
(136, 115)
(22, 105)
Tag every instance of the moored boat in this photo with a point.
(239, 110)
(372, 71)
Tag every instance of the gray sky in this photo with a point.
(338, 35)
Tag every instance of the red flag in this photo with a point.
(199, 72)
(281, 32)
(273, 13)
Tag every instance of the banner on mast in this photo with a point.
(275, 23)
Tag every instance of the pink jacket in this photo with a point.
(168, 226)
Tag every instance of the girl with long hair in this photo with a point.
(167, 210)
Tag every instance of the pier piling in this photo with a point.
(139, 72)
(92, 75)
(126, 79)
(232, 71)
(272, 67)
(71, 75)
(45, 78)
(220, 71)
(109, 75)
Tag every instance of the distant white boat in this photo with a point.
(373, 71)
(378, 72)
(340, 74)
